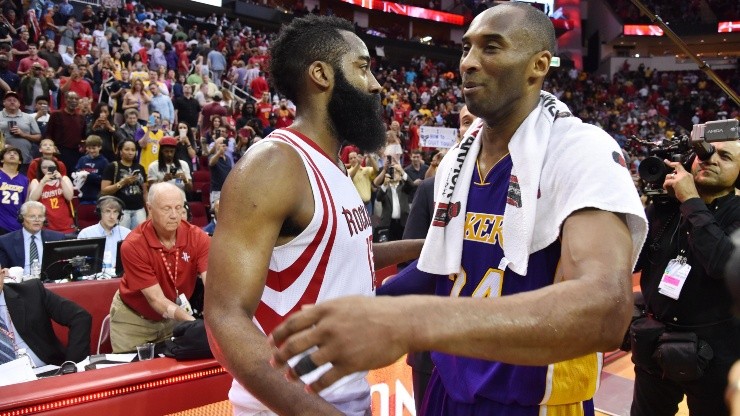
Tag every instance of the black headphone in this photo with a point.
(121, 205)
(20, 218)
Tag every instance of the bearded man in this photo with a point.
(301, 231)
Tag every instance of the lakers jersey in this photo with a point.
(331, 258)
(468, 379)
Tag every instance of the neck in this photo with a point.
(500, 128)
(106, 228)
(10, 168)
(323, 137)
(167, 238)
(69, 111)
(708, 196)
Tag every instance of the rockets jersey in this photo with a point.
(331, 258)
(469, 379)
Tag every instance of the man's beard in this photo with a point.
(356, 116)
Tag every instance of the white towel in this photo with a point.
(577, 164)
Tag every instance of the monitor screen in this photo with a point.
(119, 263)
(72, 259)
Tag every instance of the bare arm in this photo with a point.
(250, 224)
(394, 252)
(586, 310)
(34, 190)
(67, 189)
(164, 306)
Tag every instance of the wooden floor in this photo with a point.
(623, 367)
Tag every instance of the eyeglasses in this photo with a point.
(35, 217)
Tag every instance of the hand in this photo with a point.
(16, 131)
(680, 183)
(332, 326)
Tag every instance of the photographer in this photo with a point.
(695, 336)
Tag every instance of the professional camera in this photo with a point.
(682, 149)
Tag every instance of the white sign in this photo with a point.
(437, 136)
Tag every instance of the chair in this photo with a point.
(86, 215)
(199, 214)
(201, 176)
(104, 337)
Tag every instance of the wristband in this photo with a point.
(170, 312)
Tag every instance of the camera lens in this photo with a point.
(653, 170)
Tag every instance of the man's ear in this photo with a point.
(321, 75)
(541, 64)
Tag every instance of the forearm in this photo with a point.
(563, 321)
(169, 309)
(67, 189)
(711, 245)
(394, 252)
(35, 192)
(243, 350)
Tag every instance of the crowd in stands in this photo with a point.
(118, 99)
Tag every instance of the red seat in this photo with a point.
(86, 215)
(199, 213)
(201, 176)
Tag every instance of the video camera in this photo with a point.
(653, 171)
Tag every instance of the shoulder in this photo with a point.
(11, 236)
(49, 235)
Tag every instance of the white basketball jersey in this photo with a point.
(331, 258)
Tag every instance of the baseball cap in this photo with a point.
(11, 94)
(168, 141)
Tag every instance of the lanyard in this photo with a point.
(173, 277)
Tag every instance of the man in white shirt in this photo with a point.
(110, 209)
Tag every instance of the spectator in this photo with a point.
(48, 151)
(185, 140)
(127, 180)
(36, 81)
(148, 139)
(264, 109)
(55, 192)
(394, 193)
(363, 176)
(138, 100)
(67, 129)
(187, 108)
(76, 83)
(90, 167)
(416, 172)
(161, 104)
(259, 85)
(15, 185)
(110, 211)
(20, 129)
(26, 64)
(51, 56)
(103, 127)
(217, 64)
(20, 47)
(209, 111)
(169, 169)
(153, 293)
(21, 247)
(220, 164)
(42, 115)
(11, 79)
(130, 128)
(29, 308)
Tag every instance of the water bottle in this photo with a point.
(21, 353)
(35, 269)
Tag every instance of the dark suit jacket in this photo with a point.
(403, 190)
(32, 307)
(12, 252)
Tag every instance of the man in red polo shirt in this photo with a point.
(162, 259)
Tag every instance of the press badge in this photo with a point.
(184, 304)
(674, 277)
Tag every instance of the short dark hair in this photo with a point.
(10, 149)
(303, 41)
(539, 28)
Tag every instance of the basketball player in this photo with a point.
(531, 347)
(297, 229)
